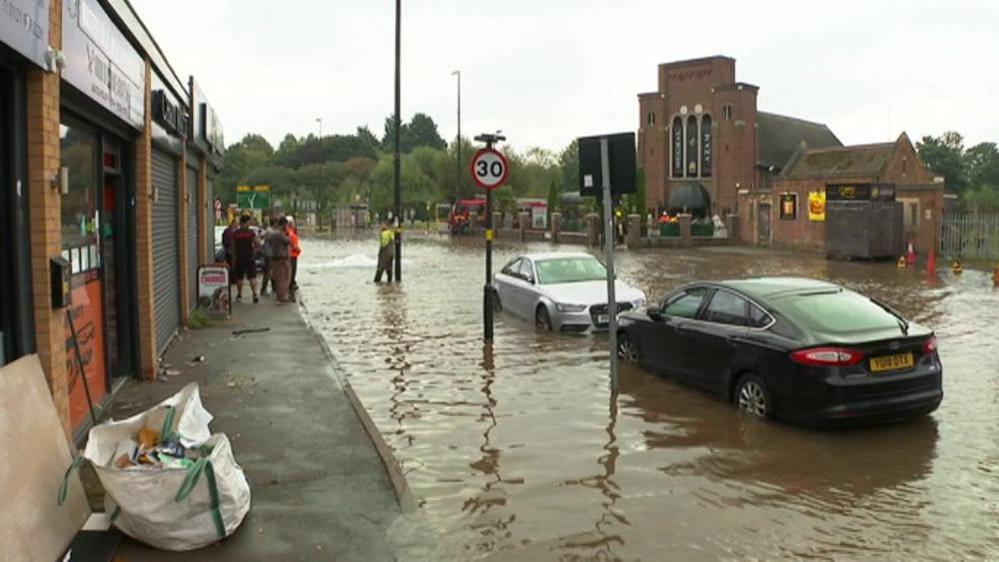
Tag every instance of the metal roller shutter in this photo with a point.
(192, 237)
(166, 254)
(210, 218)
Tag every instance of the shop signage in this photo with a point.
(168, 114)
(24, 26)
(101, 63)
(213, 291)
(212, 128)
(817, 206)
(861, 192)
(788, 206)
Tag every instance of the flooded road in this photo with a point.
(521, 452)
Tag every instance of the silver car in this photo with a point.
(564, 291)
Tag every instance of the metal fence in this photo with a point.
(970, 234)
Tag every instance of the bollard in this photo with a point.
(685, 228)
(524, 217)
(593, 230)
(634, 238)
(556, 226)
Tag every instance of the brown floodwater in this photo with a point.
(520, 451)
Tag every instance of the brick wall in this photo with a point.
(144, 241)
(45, 217)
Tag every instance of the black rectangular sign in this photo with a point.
(860, 192)
(621, 157)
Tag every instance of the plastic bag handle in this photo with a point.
(204, 465)
(64, 487)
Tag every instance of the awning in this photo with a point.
(688, 198)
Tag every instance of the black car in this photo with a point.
(797, 349)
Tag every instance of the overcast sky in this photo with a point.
(547, 71)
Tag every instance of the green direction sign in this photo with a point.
(253, 196)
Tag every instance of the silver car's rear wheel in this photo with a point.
(751, 396)
(626, 349)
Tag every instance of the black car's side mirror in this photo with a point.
(654, 314)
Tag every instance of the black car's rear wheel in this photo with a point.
(627, 350)
(752, 396)
(542, 319)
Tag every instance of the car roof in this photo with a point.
(770, 287)
(543, 256)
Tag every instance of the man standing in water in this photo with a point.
(386, 253)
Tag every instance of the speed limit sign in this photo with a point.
(489, 168)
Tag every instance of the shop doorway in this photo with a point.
(763, 224)
(16, 319)
(96, 229)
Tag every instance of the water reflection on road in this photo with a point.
(520, 451)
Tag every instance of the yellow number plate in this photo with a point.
(892, 362)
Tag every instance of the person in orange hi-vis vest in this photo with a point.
(296, 250)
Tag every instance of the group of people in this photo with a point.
(273, 251)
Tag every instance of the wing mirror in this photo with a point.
(654, 314)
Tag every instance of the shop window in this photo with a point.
(677, 148)
(788, 206)
(692, 138)
(80, 217)
(727, 112)
(707, 153)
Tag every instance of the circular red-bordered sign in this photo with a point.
(489, 168)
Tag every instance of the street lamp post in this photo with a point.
(457, 175)
(398, 125)
(320, 121)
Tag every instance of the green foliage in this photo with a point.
(568, 161)
(198, 319)
(973, 173)
(944, 156)
(338, 169)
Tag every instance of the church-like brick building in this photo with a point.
(701, 127)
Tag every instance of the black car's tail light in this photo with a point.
(930, 345)
(827, 356)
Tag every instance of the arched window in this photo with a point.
(692, 137)
(677, 151)
(707, 151)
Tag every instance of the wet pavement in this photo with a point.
(521, 452)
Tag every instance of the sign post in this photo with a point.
(489, 170)
(611, 158)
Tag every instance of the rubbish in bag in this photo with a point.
(151, 467)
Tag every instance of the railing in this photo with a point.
(970, 234)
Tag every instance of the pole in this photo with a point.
(398, 126)
(488, 293)
(457, 185)
(609, 258)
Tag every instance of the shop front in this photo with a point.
(24, 31)
(102, 112)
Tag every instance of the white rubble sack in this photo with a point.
(172, 508)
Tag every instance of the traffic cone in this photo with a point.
(910, 255)
(931, 263)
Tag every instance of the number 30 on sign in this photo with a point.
(489, 168)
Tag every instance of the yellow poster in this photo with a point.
(817, 206)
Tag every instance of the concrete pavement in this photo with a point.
(324, 484)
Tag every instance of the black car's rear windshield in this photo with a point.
(836, 312)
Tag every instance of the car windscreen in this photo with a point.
(837, 312)
(569, 270)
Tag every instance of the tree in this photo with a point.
(982, 164)
(422, 131)
(388, 139)
(368, 138)
(944, 156)
(568, 161)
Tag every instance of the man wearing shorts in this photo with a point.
(244, 242)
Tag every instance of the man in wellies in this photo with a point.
(386, 253)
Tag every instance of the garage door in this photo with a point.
(210, 218)
(166, 254)
(192, 236)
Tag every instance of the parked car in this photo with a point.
(797, 349)
(564, 291)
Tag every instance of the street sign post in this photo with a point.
(489, 170)
(608, 161)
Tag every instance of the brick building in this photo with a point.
(702, 126)
(108, 163)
